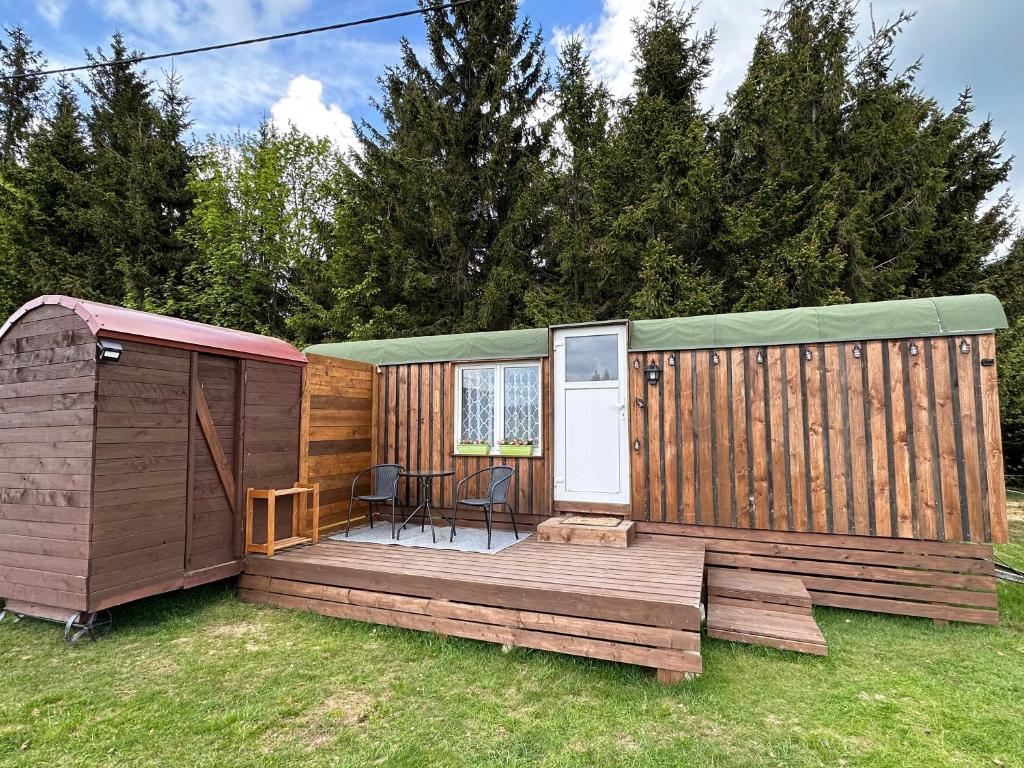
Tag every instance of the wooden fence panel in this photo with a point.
(339, 432)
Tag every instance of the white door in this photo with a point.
(591, 430)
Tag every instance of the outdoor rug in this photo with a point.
(466, 539)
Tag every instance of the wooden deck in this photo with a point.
(640, 605)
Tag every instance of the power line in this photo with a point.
(239, 43)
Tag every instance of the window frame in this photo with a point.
(498, 415)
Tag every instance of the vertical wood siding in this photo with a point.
(47, 403)
(890, 444)
(337, 415)
(416, 428)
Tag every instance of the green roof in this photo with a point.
(487, 345)
(905, 318)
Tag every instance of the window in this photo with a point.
(592, 358)
(498, 401)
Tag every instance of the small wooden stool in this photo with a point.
(301, 494)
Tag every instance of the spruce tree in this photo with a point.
(1004, 278)
(582, 114)
(844, 182)
(659, 189)
(22, 96)
(58, 250)
(447, 199)
(139, 173)
(21, 103)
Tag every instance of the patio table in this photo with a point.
(425, 498)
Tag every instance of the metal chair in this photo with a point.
(498, 481)
(385, 488)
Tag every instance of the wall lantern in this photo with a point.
(652, 373)
(108, 351)
(912, 349)
(856, 352)
(965, 346)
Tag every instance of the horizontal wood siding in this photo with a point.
(889, 444)
(47, 416)
(273, 396)
(337, 415)
(140, 484)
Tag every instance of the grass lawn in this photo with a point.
(199, 679)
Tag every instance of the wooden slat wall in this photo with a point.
(270, 435)
(403, 414)
(890, 444)
(337, 416)
(416, 428)
(140, 484)
(47, 405)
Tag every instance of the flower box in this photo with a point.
(515, 450)
(472, 449)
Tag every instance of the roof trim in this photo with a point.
(897, 319)
(522, 344)
(108, 321)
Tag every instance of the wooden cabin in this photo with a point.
(877, 419)
(127, 441)
(856, 446)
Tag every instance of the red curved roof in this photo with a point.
(113, 322)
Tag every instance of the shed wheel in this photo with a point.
(85, 624)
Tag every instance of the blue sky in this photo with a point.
(323, 82)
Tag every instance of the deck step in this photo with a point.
(788, 631)
(762, 609)
(771, 591)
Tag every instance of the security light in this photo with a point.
(108, 351)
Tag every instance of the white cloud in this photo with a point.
(52, 10)
(208, 20)
(303, 106)
(611, 43)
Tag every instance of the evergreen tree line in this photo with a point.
(497, 189)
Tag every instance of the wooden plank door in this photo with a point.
(213, 535)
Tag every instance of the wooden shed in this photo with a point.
(127, 441)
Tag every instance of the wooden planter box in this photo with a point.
(466, 449)
(515, 450)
